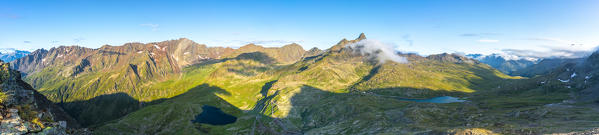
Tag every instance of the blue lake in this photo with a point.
(214, 116)
(443, 99)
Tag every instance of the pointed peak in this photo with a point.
(361, 37)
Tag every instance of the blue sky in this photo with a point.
(423, 26)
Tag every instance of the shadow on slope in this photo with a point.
(104, 108)
(175, 115)
(316, 111)
(108, 107)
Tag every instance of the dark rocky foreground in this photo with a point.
(25, 111)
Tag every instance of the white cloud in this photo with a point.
(77, 40)
(377, 50)
(479, 34)
(153, 26)
(557, 40)
(549, 53)
(488, 41)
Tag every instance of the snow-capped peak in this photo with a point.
(503, 56)
(7, 50)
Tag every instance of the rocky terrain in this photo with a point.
(25, 111)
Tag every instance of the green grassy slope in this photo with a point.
(85, 81)
(333, 92)
(338, 92)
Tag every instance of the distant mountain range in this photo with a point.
(523, 66)
(10, 54)
(504, 63)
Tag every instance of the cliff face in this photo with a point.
(23, 110)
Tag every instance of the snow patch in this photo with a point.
(186, 53)
(564, 81)
(587, 77)
(140, 51)
(573, 75)
(157, 47)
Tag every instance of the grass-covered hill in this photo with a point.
(84, 80)
(339, 92)
(335, 91)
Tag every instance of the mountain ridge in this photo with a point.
(71, 73)
(342, 89)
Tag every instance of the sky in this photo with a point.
(524, 27)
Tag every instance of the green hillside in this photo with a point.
(341, 92)
(96, 85)
(338, 91)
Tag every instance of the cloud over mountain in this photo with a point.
(377, 50)
(551, 53)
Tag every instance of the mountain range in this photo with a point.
(505, 64)
(10, 54)
(354, 87)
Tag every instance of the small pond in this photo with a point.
(443, 99)
(214, 116)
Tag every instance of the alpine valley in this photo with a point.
(182, 87)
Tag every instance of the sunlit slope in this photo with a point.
(232, 85)
(121, 79)
(319, 94)
(432, 76)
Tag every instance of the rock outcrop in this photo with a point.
(25, 111)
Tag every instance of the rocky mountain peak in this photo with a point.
(446, 57)
(361, 37)
(341, 44)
